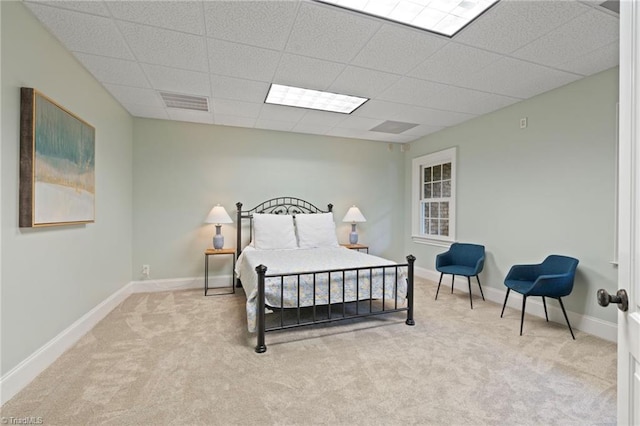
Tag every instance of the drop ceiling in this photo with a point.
(229, 52)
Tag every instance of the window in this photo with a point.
(434, 194)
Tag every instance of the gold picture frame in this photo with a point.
(57, 164)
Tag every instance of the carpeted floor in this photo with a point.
(179, 358)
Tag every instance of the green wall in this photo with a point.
(53, 276)
(548, 188)
(183, 169)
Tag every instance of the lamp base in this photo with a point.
(218, 239)
(353, 237)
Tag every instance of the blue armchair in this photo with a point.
(461, 259)
(551, 278)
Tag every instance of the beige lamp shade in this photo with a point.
(354, 215)
(218, 215)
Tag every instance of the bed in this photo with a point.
(295, 273)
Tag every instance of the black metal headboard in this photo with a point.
(279, 205)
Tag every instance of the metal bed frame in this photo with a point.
(293, 206)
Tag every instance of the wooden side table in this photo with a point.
(356, 247)
(215, 252)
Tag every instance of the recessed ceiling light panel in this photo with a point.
(445, 17)
(313, 99)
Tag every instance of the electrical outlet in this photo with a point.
(523, 123)
(146, 270)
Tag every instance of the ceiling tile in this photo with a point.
(284, 126)
(92, 7)
(165, 47)
(281, 113)
(519, 79)
(422, 130)
(587, 32)
(178, 81)
(348, 133)
(365, 134)
(595, 61)
(136, 96)
(509, 25)
(434, 117)
(384, 110)
(452, 63)
(411, 91)
(309, 73)
(240, 60)
(224, 87)
(363, 82)
(409, 113)
(258, 23)
(358, 123)
(329, 33)
(314, 129)
(236, 108)
(469, 101)
(145, 111)
(184, 16)
(190, 116)
(233, 120)
(81, 32)
(328, 119)
(397, 49)
(113, 70)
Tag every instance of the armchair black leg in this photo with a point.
(479, 285)
(439, 282)
(524, 303)
(505, 302)
(453, 279)
(566, 317)
(470, 298)
(544, 303)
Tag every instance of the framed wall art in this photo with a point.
(57, 164)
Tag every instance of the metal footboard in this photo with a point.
(346, 307)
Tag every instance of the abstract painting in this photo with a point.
(57, 164)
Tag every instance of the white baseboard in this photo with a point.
(604, 329)
(172, 284)
(22, 374)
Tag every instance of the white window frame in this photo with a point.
(418, 163)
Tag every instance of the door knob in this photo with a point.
(621, 298)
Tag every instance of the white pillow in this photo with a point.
(273, 231)
(316, 230)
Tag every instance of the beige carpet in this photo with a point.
(178, 358)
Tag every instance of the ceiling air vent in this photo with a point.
(176, 100)
(394, 127)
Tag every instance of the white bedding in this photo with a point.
(316, 259)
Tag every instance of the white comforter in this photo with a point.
(317, 259)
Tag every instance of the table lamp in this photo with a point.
(218, 215)
(353, 215)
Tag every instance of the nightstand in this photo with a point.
(358, 247)
(215, 252)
